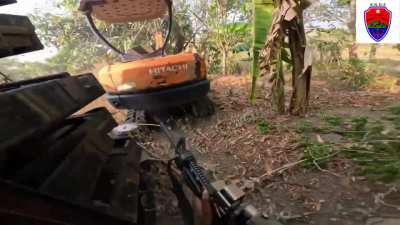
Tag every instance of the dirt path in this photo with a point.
(231, 145)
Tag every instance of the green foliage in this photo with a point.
(304, 126)
(262, 20)
(395, 110)
(373, 145)
(357, 128)
(330, 44)
(359, 123)
(344, 2)
(315, 153)
(219, 30)
(377, 148)
(333, 120)
(228, 28)
(395, 117)
(17, 70)
(78, 48)
(378, 157)
(397, 47)
(214, 60)
(264, 127)
(307, 127)
(355, 75)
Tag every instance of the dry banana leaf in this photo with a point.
(288, 24)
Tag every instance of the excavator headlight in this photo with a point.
(130, 86)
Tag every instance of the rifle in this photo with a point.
(227, 200)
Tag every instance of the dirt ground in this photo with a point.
(229, 145)
(267, 165)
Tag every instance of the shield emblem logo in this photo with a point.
(377, 21)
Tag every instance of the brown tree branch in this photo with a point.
(5, 78)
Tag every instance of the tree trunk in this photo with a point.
(224, 62)
(372, 51)
(321, 55)
(353, 51)
(159, 39)
(288, 20)
(278, 84)
(301, 72)
(352, 28)
(180, 39)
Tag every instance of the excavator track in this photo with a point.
(201, 108)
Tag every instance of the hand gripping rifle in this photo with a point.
(227, 200)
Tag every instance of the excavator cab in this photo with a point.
(147, 81)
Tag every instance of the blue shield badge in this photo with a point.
(377, 21)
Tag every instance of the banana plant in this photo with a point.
(288, 25)
(262, 20)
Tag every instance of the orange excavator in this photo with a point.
(154, 81)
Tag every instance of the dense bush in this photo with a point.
(355, 74)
